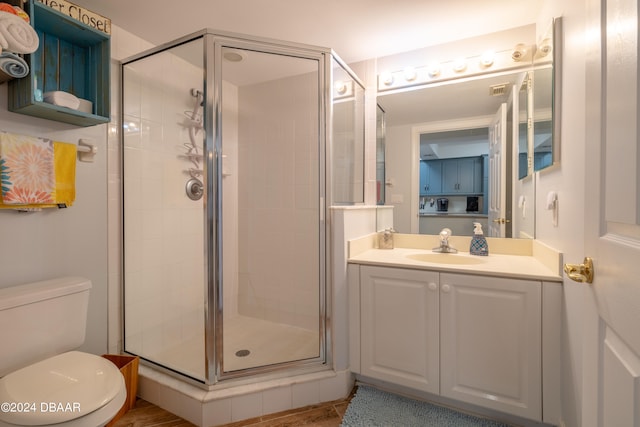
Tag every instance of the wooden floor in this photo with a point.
(328, 414)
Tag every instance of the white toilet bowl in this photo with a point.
(69, 389)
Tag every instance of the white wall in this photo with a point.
(72, 241)
(568, 180)
(398, 173)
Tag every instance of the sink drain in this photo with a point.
(242, 353)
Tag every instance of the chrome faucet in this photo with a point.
(444, 243)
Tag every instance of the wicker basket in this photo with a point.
(128, 365)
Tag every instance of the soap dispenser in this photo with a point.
(385, 238)
(478, 241)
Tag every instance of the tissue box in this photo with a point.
(85, 106)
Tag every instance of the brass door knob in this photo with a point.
(582, 273)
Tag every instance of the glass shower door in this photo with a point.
(272, 235)
(164, 257)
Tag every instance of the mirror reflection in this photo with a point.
(380, 156)
(524, 113)
(462, 150)
(542, 114)
(546, 135)
(348, 137)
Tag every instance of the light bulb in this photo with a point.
(459, 65)
(545, 47)
(386, 78)
(519, 52)
(487, 58)
(433, 69)
(410, 74)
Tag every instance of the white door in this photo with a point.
(498, 173)
(612, 213)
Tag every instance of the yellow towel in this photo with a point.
(64, 159)
(65, 176)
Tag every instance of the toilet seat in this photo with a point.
(62, 388)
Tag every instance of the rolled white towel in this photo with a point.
(16, 35)
(13, 65)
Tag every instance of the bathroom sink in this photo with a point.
(444, 258)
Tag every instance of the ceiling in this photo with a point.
(355, 29)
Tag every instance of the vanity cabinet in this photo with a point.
(400, 332)
(475, 339)
(490, 342)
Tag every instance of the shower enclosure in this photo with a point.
(226, 188)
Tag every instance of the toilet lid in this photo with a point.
(59, 389)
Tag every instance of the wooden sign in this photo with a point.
(76, 12)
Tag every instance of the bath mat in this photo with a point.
(371, 407)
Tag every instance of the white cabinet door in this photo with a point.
(399, 326)
(491, 343)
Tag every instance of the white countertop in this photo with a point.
(496, 264)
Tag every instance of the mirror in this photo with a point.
(347, 147)
(380, 156)
(524, 112)
(546, 135)
(413, 112)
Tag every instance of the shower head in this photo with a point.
(199, 95)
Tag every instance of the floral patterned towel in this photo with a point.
(26, 169)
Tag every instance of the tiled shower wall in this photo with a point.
(279, 201)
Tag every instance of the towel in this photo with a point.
(65, 178)
(6, 7)
(65, 169)
(27, 169)
(16, 35)
(12, 65)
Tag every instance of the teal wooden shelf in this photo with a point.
(72, 57)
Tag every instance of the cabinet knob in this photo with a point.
(433, 286)
(446, 289)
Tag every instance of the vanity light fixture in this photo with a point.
(434, 71)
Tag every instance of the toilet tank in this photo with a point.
(42, 319)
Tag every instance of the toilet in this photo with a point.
(43, 379)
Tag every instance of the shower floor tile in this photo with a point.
(267, 343)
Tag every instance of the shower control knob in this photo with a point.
(194, 189)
